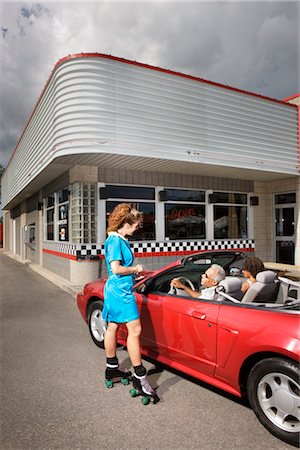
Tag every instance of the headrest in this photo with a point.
(231, 284)
(267, 276)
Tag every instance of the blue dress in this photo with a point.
(119, 301)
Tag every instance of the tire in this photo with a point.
(274, 395)
(96, 324)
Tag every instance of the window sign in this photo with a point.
(184, 221)
(63, 215)
(57, 216)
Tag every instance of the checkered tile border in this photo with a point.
(86, 251)
(60, 247)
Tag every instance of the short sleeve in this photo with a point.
(113, 250)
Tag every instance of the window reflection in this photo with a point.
(285, 225)
(147, 228)
(230, 222)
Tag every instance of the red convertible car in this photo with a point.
(245, 347)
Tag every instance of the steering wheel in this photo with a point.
(176, 291)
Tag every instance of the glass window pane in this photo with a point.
(230, 222)
(50, 232)
(285, 198)
(130, 192)
(285, 225)
(147, 229)
(63, 196)
(184, 221)
(285, 252)
(230, 197)
(185, 195)
(50, 215)
(50, 201)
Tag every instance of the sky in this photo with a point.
(250, 45)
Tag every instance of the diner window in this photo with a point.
(230, 221)
(63, 214)
(146, 231)
(49, 209)
(140, 197)
(184, 214)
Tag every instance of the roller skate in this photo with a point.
(116, 375)
(141, 386)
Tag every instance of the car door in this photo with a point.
(180, 329)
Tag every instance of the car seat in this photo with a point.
(289, 290)
(231, 286)
(264, 290)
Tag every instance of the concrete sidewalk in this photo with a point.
(65, 285)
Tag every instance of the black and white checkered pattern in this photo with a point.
(92, 251)
(60, 247)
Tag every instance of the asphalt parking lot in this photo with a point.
(53, 394)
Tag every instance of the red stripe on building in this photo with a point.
(61, 255)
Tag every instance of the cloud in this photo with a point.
(248, 45)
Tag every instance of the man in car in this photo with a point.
(210, 280)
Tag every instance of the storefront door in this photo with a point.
(284, 231)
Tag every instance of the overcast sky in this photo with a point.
(248, 45)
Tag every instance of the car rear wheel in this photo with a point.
(274, 395)
(97, 326)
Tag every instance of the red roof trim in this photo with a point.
(291, 97)
(146, 66)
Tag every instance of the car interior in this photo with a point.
(268, 289)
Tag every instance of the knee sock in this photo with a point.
(140, 370)
(112, 363)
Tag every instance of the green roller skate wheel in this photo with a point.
(145, 401)
(125, 381)
(133, 393)
(109, 384)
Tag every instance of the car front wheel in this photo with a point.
(274, 395)
(97, 326)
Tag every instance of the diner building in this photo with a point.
(211, 167)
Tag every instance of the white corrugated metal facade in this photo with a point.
(131, 124)
(105, 106)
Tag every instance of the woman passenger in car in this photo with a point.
(251, 267)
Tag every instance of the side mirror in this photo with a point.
(235, 272)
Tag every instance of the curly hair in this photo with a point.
(253, 265)
(123, 213)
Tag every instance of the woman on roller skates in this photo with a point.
(119, 301)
